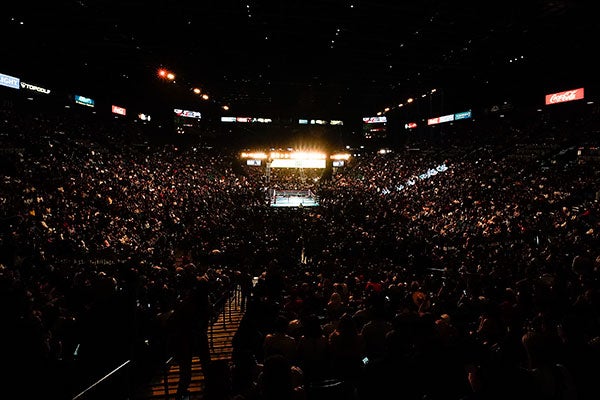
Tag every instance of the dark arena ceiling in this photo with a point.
(331, 59)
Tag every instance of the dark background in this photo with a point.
(303, 59)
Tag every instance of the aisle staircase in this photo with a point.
(220, 336)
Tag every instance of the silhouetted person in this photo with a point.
(189, 337)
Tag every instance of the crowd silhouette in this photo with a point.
(476, 281)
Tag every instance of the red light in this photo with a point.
(166, 74)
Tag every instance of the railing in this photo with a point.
(92, 390)
(166, 368)
(222, 307)
(219, 306)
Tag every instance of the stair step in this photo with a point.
(221, 348)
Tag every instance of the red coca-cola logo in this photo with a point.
(566, 96)
(561, 97)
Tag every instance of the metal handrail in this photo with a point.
(105, 377)
(166, 376)
(220, 305)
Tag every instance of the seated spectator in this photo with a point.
(549, 380)
(346, 346)
(312, 353)
(279, 341)
(335, 305)
(374, 332)
(280, 380)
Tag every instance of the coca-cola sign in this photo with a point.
(561, 97)
(119, 110)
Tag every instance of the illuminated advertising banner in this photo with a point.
(462, 115)
(247, 120)
(256, 163)
(410, 125)
(144, 117)
(561, 97)
(261, 120)
(374, 120)
(447, 118)
(119, 110)
(338, 163)
(35, 88)
(84, 101)
(319, 122)
(9, 81)
(439, 120)
(297, 163)
(187, 114)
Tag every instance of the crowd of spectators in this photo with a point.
(455, 272)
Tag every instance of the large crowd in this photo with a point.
(452, 272)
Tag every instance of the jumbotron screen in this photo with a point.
(374, 127)
(187, 121)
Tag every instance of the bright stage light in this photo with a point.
(257, 155)
(305, 155)
(340, 156)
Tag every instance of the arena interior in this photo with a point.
(424, 228)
